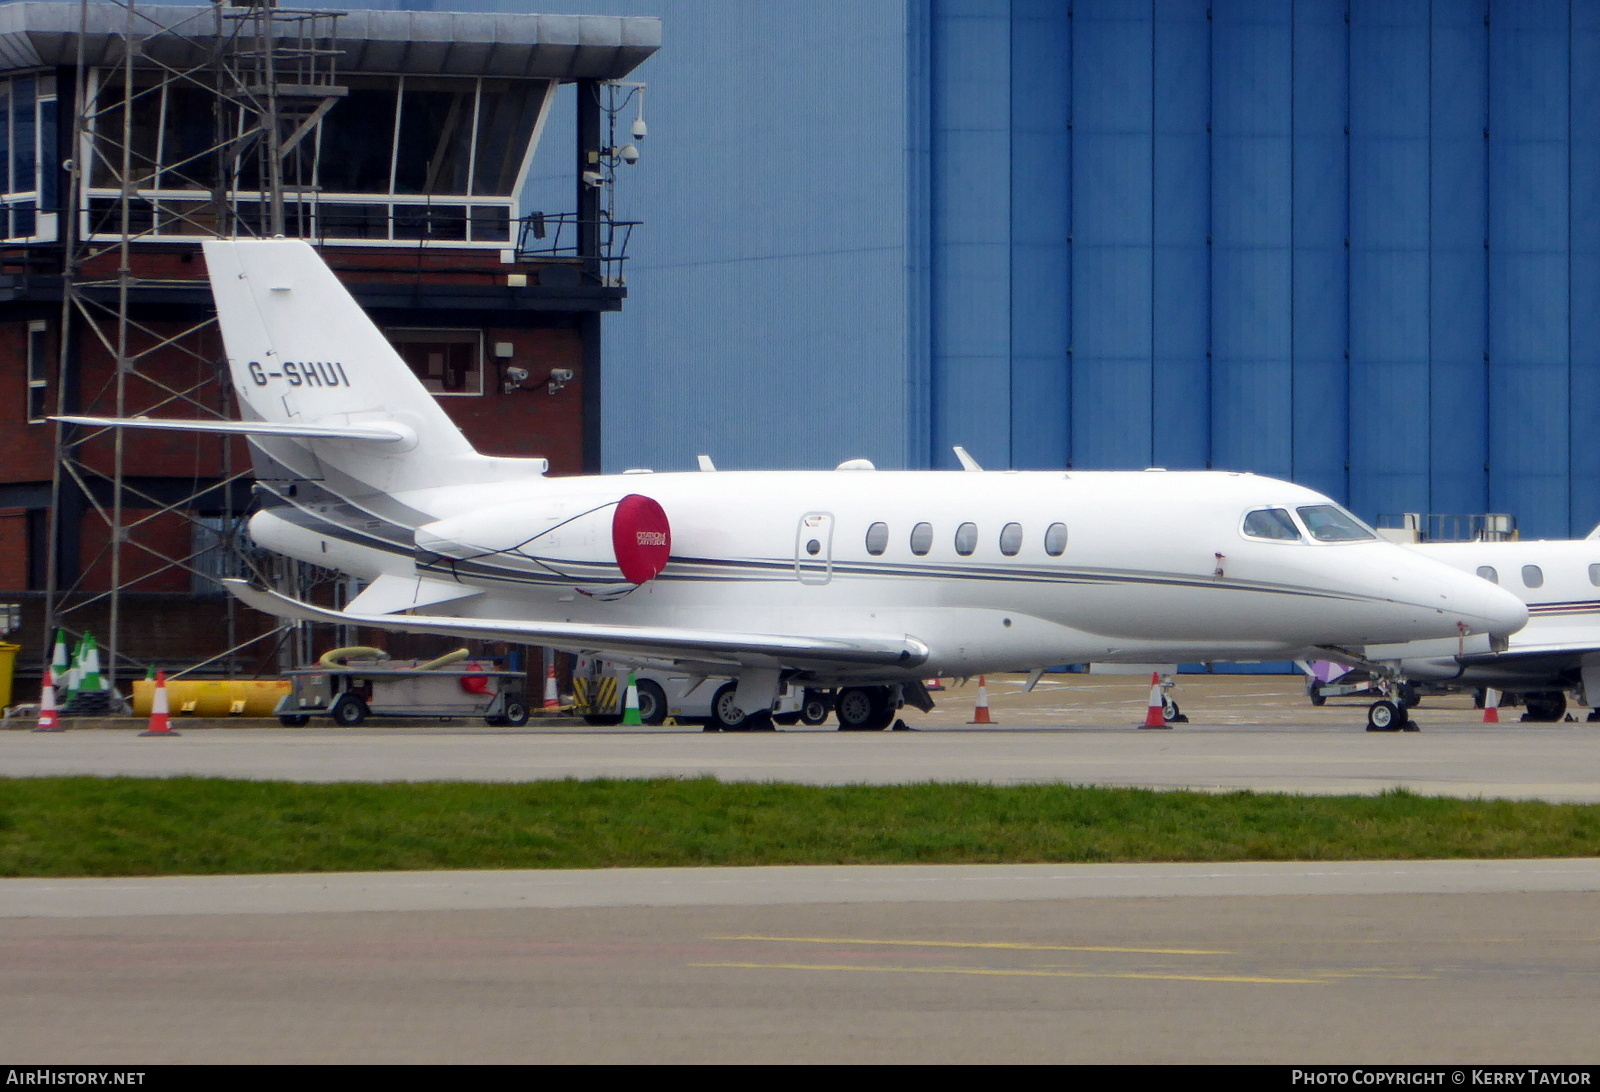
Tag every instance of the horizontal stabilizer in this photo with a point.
(658, 641)
(379, 433)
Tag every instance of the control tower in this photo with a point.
(397, 142)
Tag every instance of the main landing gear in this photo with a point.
(865, 708)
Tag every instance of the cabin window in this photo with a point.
(1594, 575)
(1273, 523)
(1532, 576)
(877, 539)
(966, 539)
(1011, 539)
(922, 539)
(1330, 523)
(1489, 574)
(1055, 539)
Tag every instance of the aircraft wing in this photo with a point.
(672, 642)
(1576, 647)
(1552, 656)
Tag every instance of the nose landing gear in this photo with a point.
(1392, 712)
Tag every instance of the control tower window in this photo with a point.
(507, 112)
(447, 361)
(437, 159)
(29, 176)
(362, 129)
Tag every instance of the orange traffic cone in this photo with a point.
(933, 685)
(48, 720)
(980, 714)
(1156, 715)
(552, 700)
(159, 725)
(1491, 707)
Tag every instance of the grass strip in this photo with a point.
(83, 826)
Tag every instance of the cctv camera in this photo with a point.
(594, 179)
(629, 154)
(561, 375)
(516, 375)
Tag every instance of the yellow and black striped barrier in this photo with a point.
(595, 697)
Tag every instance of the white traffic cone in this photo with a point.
(49, 721)
(980, 714)
(160, 724)
(1155, 716)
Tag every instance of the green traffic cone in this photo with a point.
(89, 676)
(630, 704)
(74, 678)
(61, 664)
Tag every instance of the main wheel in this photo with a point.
(348, 711)
(725, 714)
(1385, 716)
(759, 722)
(652, 702)
(1171, 713)
(1545, 705)
(1317, 697)
(814, 710)
(864, 709)
(1409, 696)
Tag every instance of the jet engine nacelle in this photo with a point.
(587, 538)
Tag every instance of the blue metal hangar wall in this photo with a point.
(1355, 243)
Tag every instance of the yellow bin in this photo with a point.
(213, 697)
(8, 664)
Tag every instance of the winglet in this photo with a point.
(967, 461)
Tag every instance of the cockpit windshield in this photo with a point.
(1273, 523)
(1330, 523)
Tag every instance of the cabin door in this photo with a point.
(813, 548)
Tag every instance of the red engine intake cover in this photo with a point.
(641, 538)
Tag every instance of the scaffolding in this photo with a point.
(266, 75)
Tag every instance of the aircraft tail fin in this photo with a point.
(304, 355)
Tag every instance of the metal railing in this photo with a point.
(1448, 527)
(545, 235)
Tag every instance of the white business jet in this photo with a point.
(863, 580)
(1556, 652)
